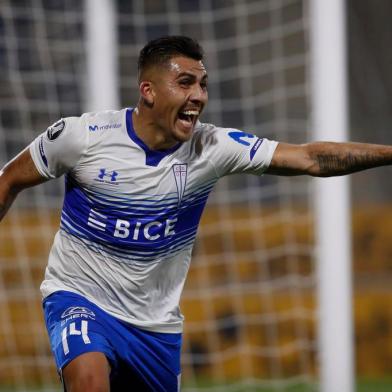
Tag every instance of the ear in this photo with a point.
(147, 92)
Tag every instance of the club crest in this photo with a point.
(180, 172)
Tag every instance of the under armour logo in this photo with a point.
(113, 175)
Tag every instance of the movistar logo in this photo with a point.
(94, 128)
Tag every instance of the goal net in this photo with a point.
(249, 299)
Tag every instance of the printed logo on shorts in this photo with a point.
(75, 324)
(77, 312)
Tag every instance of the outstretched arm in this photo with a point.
(18, 174)
(326, 159)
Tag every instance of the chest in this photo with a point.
(123, 171)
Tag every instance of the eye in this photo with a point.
(185, 82)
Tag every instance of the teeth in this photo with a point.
(191, 112)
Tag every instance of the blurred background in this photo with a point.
(250, 299)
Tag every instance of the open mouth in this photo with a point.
(188, 116)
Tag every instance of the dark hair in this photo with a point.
(161, 50)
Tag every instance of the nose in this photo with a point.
(199, 94)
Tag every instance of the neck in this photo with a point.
(148, 131)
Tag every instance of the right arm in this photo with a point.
(326, 159)
(50, 155)
(16, 175)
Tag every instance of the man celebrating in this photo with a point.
(137, 181)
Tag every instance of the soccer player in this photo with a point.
(137, 181)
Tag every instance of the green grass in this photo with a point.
(367, 385)
(374, 385)
(362, 386)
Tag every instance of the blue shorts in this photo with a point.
(147, 361)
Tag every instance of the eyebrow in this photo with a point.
(205, 76)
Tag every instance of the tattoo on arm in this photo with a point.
(346, 164)
(345, 158)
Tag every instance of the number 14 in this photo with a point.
(73, 331)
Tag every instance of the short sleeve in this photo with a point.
(236, 151)
(59, 148)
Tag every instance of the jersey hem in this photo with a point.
(178, 328)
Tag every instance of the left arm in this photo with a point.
(326, 159)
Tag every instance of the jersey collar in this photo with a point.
(153, 157)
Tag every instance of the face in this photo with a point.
(178, 94)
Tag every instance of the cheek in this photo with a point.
(175, 94)
(170, 100)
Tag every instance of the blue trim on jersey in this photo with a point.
(42, 151)
(153, 157)
(132, 230)
(97, 193)
(255, 148)
(148, 206)
(122, 257)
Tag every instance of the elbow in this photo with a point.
(320, 174)
(313, 169)
(316, 171)
(311, 165)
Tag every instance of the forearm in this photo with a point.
(6, 204)
(7, 195)
(18, 174)
(336, 159)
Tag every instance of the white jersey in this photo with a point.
(130, 214)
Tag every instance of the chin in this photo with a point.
(183, 136)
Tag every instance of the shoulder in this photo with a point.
(69, 133)
(214, 137)
(90, 125)
(107, 119)
(74, 134)
(232, 150)
(208, 134)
